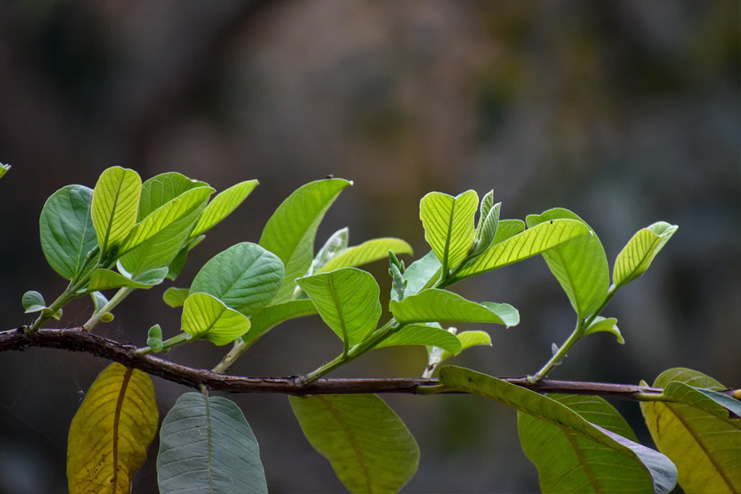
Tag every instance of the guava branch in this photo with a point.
(79, 340)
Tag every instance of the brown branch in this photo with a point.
(79, 340)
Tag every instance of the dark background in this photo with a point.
(626, 112)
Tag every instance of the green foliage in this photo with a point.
(206, 317)
(419, 334)
(115, 206)
(448, 223)
(639, 253)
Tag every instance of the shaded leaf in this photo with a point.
(420, 274)
(449, 225)
(488, 223)
(4, 168)
(372, 250)
(367, 444)
(161, 189)
(115, 206)
(206, 445)
(637, 255)
(99, 301)
(110, 433)
(177, 264)
(441, 305)
(33, 301)
(419, 334)
(206, 317)
(605, 324)
(336, 243)
(222, 206)
(272, 315)
(175, 297)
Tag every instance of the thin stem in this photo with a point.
(166, 345)
(237, 350)
(120, 295)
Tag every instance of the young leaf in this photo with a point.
(207, 318)
(449, 225)
(580, 266)
(434, 305)
(468, 339)
(605, 324)
(99, 301)
(642, 469)
(419, 334)
(115, 206)
(519, 247)
(33, 301)
(367, 252)
(290, 232)
(110, 433)
(67, 233)
(335, 244)
(419, 275)
(206, 445)
(637, 255)
(367, 444)
(175, 297)
(698, 436)
(163, 188)
(272, 315)
(245, 277)
(222, 206)
(488, 224)
(347, 301)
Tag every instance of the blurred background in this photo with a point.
(625, 112)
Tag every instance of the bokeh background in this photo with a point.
(626, 112)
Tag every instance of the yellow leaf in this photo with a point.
(110, 433)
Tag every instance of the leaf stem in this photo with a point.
(167, 344)
(237, 350)
(120, 295)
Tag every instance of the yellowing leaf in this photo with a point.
(110, 433)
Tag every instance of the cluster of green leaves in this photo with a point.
(127, 235)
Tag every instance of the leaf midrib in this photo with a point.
(116, 421)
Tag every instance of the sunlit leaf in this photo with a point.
(222, 206)
(347, 301)
(605, 324)
(419, 334)
(637, 255)
(175, 297)
(468, 339)
(372, 250)
(449, 225)
(110, 433)
(507, 229)
(290, 232)
(33, 301)
(207, 318)
(115, 206)
(272, 315)
(441, 305)
(488, 223)
(367, 444)
(206, 445)
(106, 279)
(4, 168)
(163, 188)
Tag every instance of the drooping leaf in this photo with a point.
(449, 225)
(206, 445)
(605, 324)
(272, 315)
(110, 433)
(290, 232)
(441, 305)
(177, 264)
(531, 242)
(33, 301)
(640, 469)
(419, 334)
(222, 206)
(67, 233)
(580, 266)
(175, 297)
(420, 274)
(245, 277)
(347, 301)
(367, 444)
(696, 433)
(468, 339)
(115, 206)
(367, 252)
(639, 253)
(206, 317)
(163, 188)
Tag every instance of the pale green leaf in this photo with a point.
(336, 243)
(175, 297)
(4, 168)
(507, 229)
(272, 315)
(637, 255)
(347, 301)
(99, 301)
(468, 339)
(33, 301)
(106, 279)
(605, 324)
(163, 188)
(730, 403)
(367, 444)
(486, 229)
(206, 317)
(222, 206)
(115, 206)
(449, 225)
(367, 252)
(419, 334)
(290, 231)
(419, 275)
(207, 446)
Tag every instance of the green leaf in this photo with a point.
(175, 297)
(367, 252)
(67, 233)
(272, 315)
(110, 433)
(4, 168)
(177, 264)
(223, 205)
(290, 232)
(580, 266)
(161, 189)
(419, 334)
(634, 467)
(105, 279)
(420, 274)
(639, 253)
(519, 247)
(367, 444)
(347, 301)
(449, 225)
(336, 243)
(488, 223)
(730, 403)
(245, 277)
(33, 301)
(605, 324)
(206, 445)
(441, 305)
(507, 229)
(157, 239)
(115, 206)
(206, 317)
(99, 301)
(468, 339)
(697, 433)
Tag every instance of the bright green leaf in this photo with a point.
(206, 445)
(419, 275)
(372, 250)
(468, 339)
(272, 315)
(347, 301)
(110, 433)
(222, 206)
(290, 232)
(488, 223)
(367, 444)
(697, 433)
(419, 334)
(67, 233)
(449, 225)
(507, 229)
(605, 324)
(4, 168)
(115, 206)
(105, 279)
(441, 305)
(207, 318)
(637, 255)
(33, 301)
(245, 277)
(175, 297)
(640, 469)
(163, 188)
